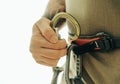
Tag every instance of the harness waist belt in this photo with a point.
(99, 42)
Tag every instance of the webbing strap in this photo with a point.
(102, 42)
(116, 42)
(78, 50)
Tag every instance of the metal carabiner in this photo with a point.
(74, 22)
(70, 19)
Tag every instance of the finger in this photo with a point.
(38, 41)
(45, 61)
(46, 30)
(46, 64)
(61, 44)
(49, 53)
(35, 30)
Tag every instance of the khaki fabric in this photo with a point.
(95, 16)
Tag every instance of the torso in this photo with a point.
(95, 16)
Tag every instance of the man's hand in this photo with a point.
(45, 46)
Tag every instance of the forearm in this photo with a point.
(53, 7)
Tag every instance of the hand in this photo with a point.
(45, 47)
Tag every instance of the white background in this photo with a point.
(16, 63)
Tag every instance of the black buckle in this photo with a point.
(105, 43)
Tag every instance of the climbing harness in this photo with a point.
(80, 44)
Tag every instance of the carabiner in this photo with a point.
(70, 19)
(73, 37)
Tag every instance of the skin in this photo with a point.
(45, 47)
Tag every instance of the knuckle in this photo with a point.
(48, 33)
(35, 49)
(37, 59)
(34, 26)
(47, 30)
(64, 43)
(39, 24)
(62, 52)
(40, 21)
(43, 20)
(35, 29)
(31, 48)
(53, 65)
(61, 44)
(55, 62)
(38, 62)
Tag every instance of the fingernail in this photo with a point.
(54, 39)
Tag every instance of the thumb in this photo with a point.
(47, 31)
(50, 35)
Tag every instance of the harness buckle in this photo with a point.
(99, 42)
(104, 43)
